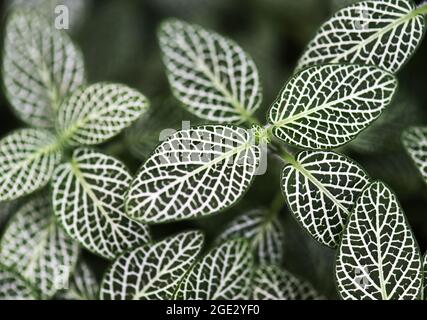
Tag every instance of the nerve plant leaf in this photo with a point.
(194, 173)
(264, 232)
(13, 287)
(99, 112)
(225, 273)
(152, 271)
(384, 33)
(321, 188)
(378, 258)
(83, 284)
(415, 142)
(27, 160)
(211, 75)
(41, 66)
(327, 106)
(37, 248)
(273, 283)
(88, 200)
(425, 276)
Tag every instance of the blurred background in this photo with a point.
(118, 40)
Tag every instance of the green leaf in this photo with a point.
(27, 160)
(378, 258)
(384, 33)
(225, 273)
(41, 66)
(211, 75)
(152, 271)
(264, 232)
(37, 248)
(13, 287)
(327, 106)
(88, 200)
(273, 283)
(415, 142)
(99, 112)
(321, 188)
(83, 284)
(425, 276)
(195, 172)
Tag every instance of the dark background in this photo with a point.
(118, 39)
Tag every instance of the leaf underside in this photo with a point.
(415, 141)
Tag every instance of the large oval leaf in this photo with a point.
(88, 200)
(37, 248)
(263, 230)
(194, 173)
(273, 283)
(27, 160)
(40, 67)
(211, 75)
(384, 33)
(152, 271)
(321, 188)
(13, 287)
(225, 273)
(99, 112)
(327, 106)
(415, 142)
(378, 257)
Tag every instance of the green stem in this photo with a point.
(422, 9)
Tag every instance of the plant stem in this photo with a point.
(422, 9)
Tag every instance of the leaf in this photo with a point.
(321, 188)
(99, 112)
(37, 248)
(225, 273)
(83, 284)
(88, 200)
(384, 33)
(27, 160)
(13, 287)
(211, 75)
(194, 173)
(41, 66)
(264, 232)
(415, 142)
(328, 106)
(273, 283)
(425, 276)
(152, 271)
(378, 258)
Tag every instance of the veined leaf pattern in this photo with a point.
(13, 287)
(83, 284)
(415, 142)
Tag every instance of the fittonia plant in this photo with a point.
(342, 83)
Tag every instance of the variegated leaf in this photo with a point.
(27, 160)
(194, 173)
(264, 232)
(415, 141)
(225, 273)
(13, 287)
(425, 276)
(83, 284)
(378, 258)
(152, 271)
(37, 248)
(273, 283)
(99, 112)
(88, 200)
(327, 106)
(41, 66)
(384, 33)
(211, 75)
(321, 188)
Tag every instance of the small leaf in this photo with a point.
(211, 75)
(415, 142)
(152, 271)
(88, 200)
(27, 160)
(99, 112)
(13, 287)
(264, 232)
(37, 248)
(384, 33)
(327, 106)
(378, 258)
(225, 273)
(41, 66)
(321, 188)
(195, 172)
(273, 283)
(83, 284)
